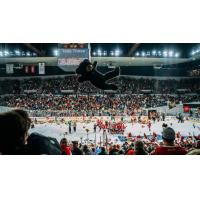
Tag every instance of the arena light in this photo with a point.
(137, 54)
(159, 53)
(177, 55)
(28, 53)
(112, 53)
(17, 52)
(165, 53)
(105, 53)
(1, 53)
(6, 53)
(55, 52)
(99, 53)
(94, 53)
(143, 54)
(117, 52)
(154, 52)
(171, 53)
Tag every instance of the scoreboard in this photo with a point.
(73, 45)
(71, 54)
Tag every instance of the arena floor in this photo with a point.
(58, 131)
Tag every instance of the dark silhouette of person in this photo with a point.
(88, 72)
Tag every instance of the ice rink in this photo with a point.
(59, 131)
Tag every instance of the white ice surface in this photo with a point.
(58, 131)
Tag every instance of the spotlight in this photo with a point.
(154, 52)
(1, 53)
(6, 53)
(176, 55)
(17, 52)
(137, 54)
(117, 52)
(171, 53)
(143, 54)
(159, 53)
(112, 53)
(105, 53)
(94, 53)
(165, 53)
(99, 52)
(55, 52)
(28, 53)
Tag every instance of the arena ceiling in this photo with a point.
(44, 53)
(128, 49)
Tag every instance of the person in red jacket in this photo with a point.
(66, 150)
(130, 150)
(169, 148)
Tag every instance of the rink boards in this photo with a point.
(126, 119)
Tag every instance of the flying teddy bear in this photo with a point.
(89, 72)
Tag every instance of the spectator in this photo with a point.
(121, 152)
(14, 133)
(194, 152)
(38, 144)
(139, 148)
(25, 116)
(114, 150)
(15, 139)
(196, 149)
(130, 150)
(86, 150)
(66, 150)
(75, 149)
(169, 147)
(93, 151)
(103, 151)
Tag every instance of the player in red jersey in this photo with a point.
(149, 126)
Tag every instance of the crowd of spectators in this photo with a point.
(96, 105)
(31, 84)
(10, 87)
(15, 140)
(125, 85)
